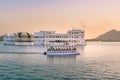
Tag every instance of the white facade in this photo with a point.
(13, 39)
(72, 37)
(9, 39)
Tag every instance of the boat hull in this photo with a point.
(62, 53)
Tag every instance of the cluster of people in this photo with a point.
(62, 49)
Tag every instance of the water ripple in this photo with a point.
(96, 62)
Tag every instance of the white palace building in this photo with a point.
(72, 37)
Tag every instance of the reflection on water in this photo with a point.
(68, 59)
(21, 49)
(97, 61)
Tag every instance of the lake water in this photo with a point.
(97, 61)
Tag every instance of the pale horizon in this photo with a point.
(94, 16)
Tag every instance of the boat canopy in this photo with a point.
(62, 47)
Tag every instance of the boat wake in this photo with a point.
(8, 52)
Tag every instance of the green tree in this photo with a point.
(1, 38)
(29, 36)
(20, 34)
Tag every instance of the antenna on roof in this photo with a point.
(73, 28)
(83, 25)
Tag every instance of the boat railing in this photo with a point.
(63, 50)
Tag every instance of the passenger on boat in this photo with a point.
(74, 48)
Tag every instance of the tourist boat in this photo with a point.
(62, 50)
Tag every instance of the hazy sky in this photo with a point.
(94, 16)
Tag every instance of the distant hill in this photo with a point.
(112, 35)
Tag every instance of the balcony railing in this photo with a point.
(24, 39)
